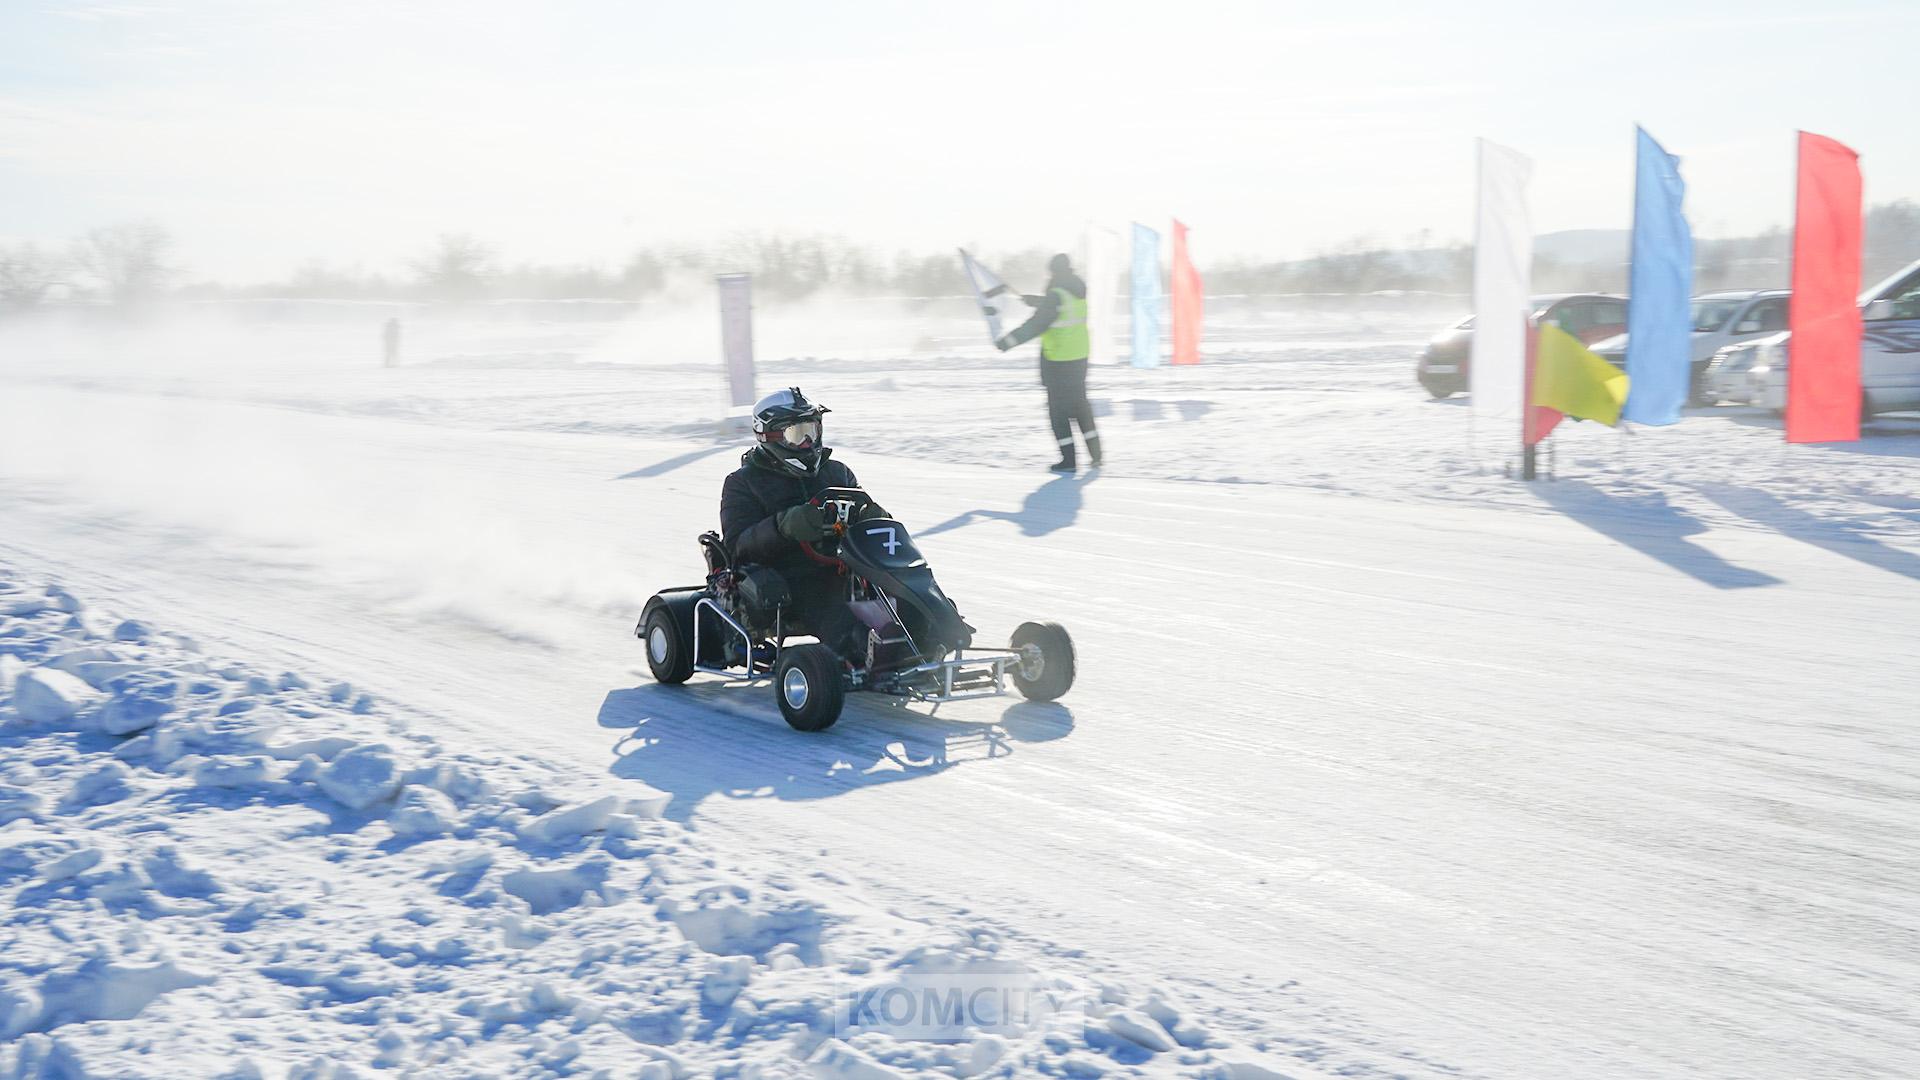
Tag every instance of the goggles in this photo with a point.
(800, 436)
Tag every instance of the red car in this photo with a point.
(1591, 317)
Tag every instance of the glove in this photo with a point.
(1005, 343)
(871, 511)
(803, 524)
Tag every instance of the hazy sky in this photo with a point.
(264, 132)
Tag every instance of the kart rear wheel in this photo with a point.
(1046, 668)
(668, 654)
(810, 686)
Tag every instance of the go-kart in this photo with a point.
(739, 625)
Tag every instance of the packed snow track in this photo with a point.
(1573, 785)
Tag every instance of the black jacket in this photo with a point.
(756, 492)
(1047, 308)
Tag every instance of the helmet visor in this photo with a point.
(804, 435)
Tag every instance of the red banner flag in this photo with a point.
(1539, 420)
(1186, 301)
(1823, 368)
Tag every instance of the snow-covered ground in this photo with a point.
(1380, 764)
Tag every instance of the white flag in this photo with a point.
(1502, 274)
(1102, 269)
(997, 302)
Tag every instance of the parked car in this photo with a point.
(1720, 319)
(1726, 376)
(1889, 352)
(1444, 366)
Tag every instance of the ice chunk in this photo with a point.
(326, 749)
(1191, 1034)
(175, 878)
(104, 784)
(361, 776)
(19, 803)
(727, 921)
(547, 891)
(19, 1005)
(453, 781)
(98, 673)
(139, 700)
(1247, 1067)
(725, 977)
(132, 630)
(835, 1060)
(583, 818)
(71, 660)
(1138, 1028)
(46, 696)
(101, 989)
(984, 1054)
(226, 771)
(1081, 1065)
(11, 668)
(72, 864)
(421, 811)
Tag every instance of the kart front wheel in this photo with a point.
(668, 654)
(810, 685)
(1046, 668)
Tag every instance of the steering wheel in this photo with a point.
(841, 506)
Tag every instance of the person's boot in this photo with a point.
(1066, 462)
(1093, 449)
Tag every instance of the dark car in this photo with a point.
(1443, 368)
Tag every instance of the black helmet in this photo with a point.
(787, 426)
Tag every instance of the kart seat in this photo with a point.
(719, 556)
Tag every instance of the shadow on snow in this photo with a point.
(1652, 527)
(1840, 537)
(704, 740)
(1052, 506)
(677, 461)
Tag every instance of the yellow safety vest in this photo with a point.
(1067, 338)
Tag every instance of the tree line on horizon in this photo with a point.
(130, 264)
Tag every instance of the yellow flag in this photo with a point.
(1573, 380)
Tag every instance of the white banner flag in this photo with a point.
(1502, 273)
(1102, 269)
(736, 336)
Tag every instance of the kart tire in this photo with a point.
(668, 653)
(810, 684)
(1051, 675)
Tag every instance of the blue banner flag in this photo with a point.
(1147, 299)
(1659, 307)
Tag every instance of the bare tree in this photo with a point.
(27, 274)
(1893, 238)
(128, 259)
(457, 268)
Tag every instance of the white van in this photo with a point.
(1889, 353)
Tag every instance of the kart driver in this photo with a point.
(765, 515)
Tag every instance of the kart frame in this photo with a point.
(958, 677)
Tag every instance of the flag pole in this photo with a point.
(1529, 450)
